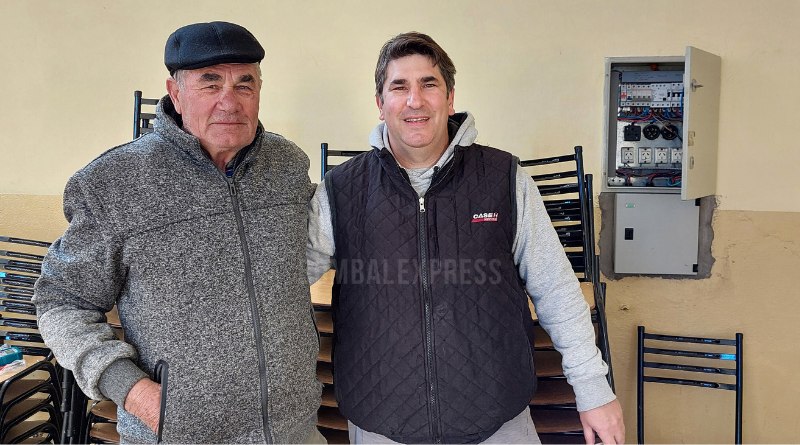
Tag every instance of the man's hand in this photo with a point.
(144, 402)
(606, 421)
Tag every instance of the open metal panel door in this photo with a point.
(701, 124)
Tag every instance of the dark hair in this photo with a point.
(408, 44)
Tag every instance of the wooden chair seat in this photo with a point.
(28, 428)
(556, 420)
(325, 373)
(105, 409)
(325, 349)
(26, 408)
(335, 436)
(21, 387)
(548, 364)
(107, 432)
(321, 290)
(324, 322)
(328, 417)
(553, 392)
(112, 317)
(328, 397)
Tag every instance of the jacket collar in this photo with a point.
(168, 125)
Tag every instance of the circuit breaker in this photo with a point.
(661, 131)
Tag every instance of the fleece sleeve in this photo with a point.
(82, 276)
(320, 248)
(557, 298)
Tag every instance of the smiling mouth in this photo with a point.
(414, 120)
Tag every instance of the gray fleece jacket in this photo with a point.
(540, 259)
(208, 273)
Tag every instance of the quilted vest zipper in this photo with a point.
(433, 412)
(428, 322)
(248, 270)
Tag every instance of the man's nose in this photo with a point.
(227, 99)
(414, 99)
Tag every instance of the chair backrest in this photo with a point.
(143, 114)
(688, 362)
(326, 154)
(20, 267)
(567, 196)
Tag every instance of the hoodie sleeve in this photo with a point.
(557, 297)
(81, 278)
(320, 247)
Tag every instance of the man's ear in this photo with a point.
(379, 103)
(173, 89)
(450, 99)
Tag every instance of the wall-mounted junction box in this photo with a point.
(665, 109)
(655, 234)
(661, 131)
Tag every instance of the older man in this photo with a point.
(197, 233)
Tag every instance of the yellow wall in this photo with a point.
(532, 73)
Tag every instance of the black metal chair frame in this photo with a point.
(17, 288)
(687, 366)
(49, 386)
(567, 211)
(142, 122)
(326, 153)
(576, 234)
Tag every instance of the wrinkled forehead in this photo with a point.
(238, 72)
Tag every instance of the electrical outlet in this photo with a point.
(675, 155)
(632, 132)
(645, 155)
(627, 155)
(662, 155)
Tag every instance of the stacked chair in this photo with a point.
(567, 193)
(30, 396)
(331, 423)
(568, 197)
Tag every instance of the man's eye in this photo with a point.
(430, 85)
(399, 88)
(211, 87)
(244, 88)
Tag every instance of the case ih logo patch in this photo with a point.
(484, 217)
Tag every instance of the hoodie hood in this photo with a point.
(462, 132)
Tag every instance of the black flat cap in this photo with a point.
(205, 44)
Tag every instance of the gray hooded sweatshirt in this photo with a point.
(208, 273)
(540, 259)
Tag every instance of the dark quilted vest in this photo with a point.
(430, 314)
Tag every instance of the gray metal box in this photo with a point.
(655, 234)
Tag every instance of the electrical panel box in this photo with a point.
(661, 126)
(655, 234)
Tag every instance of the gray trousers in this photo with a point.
(520, 429)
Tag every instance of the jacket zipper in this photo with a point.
(422, 232)
(433, 417)
(262, 366)
(428, 322)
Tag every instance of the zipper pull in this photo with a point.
(422, 205)
(232, 187)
